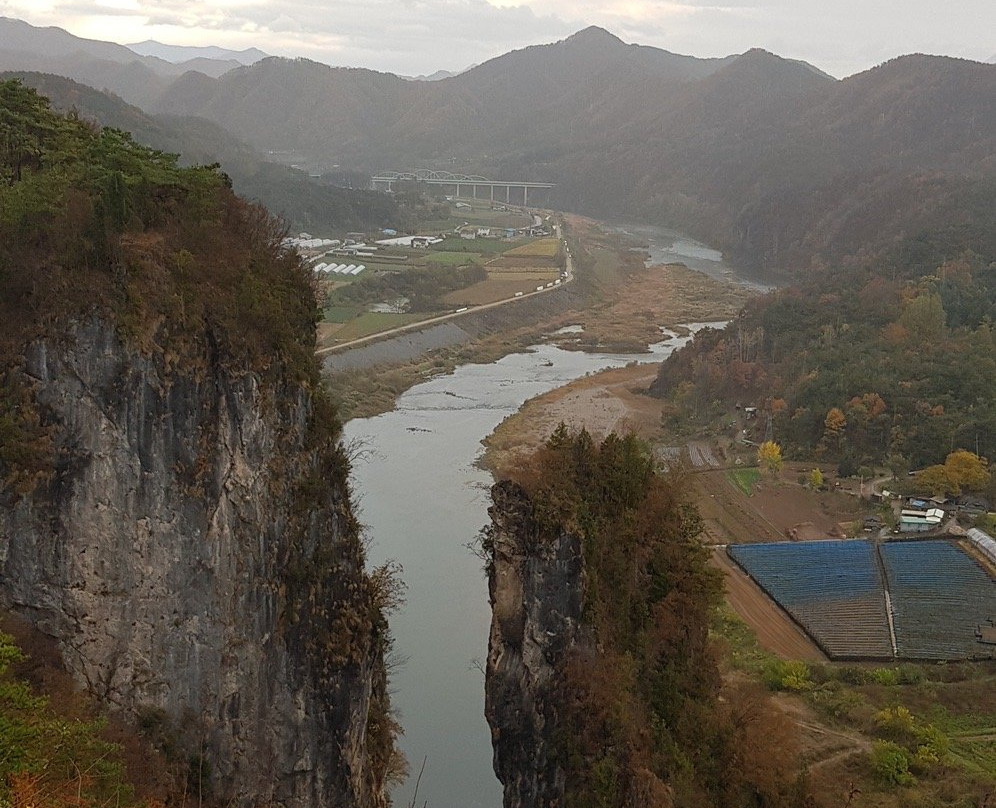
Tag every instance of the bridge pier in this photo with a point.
(386, 179)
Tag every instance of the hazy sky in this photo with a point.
(421, 36)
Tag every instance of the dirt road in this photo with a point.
(775, 630)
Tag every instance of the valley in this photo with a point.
(251, 464)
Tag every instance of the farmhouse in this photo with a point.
(920, 521)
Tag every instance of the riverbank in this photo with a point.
(621, 305)
(610, 401)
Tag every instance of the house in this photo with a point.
(972, 505)
(920, 521)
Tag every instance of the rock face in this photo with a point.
(195, 555)
(537, 594)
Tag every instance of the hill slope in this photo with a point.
(769, 158)
(305, 202)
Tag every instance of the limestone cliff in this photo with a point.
(174, 506)
(194, 553)
(601, 686)
(537, 592)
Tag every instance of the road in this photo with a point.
(442, 318)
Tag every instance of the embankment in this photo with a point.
(418, 343)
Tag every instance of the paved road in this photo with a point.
(442, 318)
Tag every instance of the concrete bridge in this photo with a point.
(384, 181)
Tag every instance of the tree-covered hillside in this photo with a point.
(197, 359)
(888, 360)
(632, 709)
(768, 158)
(307, 203)
(92, 220)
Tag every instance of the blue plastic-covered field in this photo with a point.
(833, 589)
(940, 599)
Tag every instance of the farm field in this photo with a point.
(541, 248)
(366, 323)
(833, 589)
(451, 258)
(941, 597)
(837, 591)
(499, 286)
(448, 275)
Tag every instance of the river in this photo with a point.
(422, 499)
(667, 246)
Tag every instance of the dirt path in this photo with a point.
(775, 630)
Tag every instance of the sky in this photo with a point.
(413, 37)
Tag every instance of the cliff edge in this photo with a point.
(176, 513)
(602, 687)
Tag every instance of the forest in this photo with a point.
(886, 359)
(643, 715)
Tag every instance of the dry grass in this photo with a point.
(499, 286)
(541, 248)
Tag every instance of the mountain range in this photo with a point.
(178, 54)
(769, 158)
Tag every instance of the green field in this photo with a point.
(540, 248)
(374, 322)
(342, 314)
(745, 479)
(452, 259)
(487, 246)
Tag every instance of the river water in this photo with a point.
(423, 499)
(671, 247)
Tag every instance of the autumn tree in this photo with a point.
(935, 481)
(962, 471)
(967, 470)
(815, 479)
(835, 422)
(924, 316)
(769, 457)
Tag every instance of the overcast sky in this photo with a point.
(420, 36)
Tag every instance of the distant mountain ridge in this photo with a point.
(303, 201)
(769, 158)
(139, 79)
(177, 54)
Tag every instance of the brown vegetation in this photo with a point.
(646, 720)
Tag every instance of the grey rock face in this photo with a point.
(537, 594)
(194, 553)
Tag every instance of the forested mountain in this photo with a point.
(779, 164)
(138, 79)
(769, 158)
(303, 201)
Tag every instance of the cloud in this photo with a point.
(421, 36)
